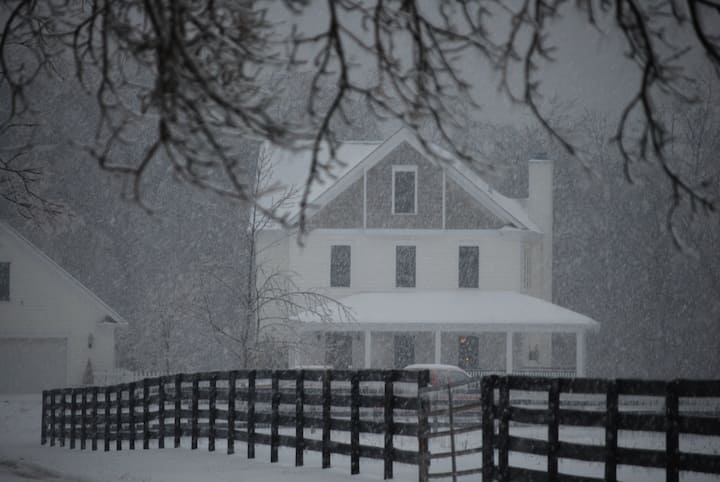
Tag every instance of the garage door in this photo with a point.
(29, 365)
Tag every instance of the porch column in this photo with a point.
(580, 353)
(509, 352)
(368, 349)
(294, 356)
(438, 347)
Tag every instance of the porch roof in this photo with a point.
(448, 310)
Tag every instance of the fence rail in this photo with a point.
(499, 413)
(256, 407)
(506, 414)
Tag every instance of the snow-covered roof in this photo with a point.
(454, 309)
(291, 168)
(111, 314)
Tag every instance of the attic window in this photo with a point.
(404, 187)
(4, 281)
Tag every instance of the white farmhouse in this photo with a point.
(53, 330)
(436, 265)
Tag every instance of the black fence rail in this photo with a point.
(564, 406)
(275, 408)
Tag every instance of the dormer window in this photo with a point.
(404, 187)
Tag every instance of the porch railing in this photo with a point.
(561, 372)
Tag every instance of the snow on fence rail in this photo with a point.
(499, 412)
(122, 375)
(254, 407)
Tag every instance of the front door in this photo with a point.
(468, 351)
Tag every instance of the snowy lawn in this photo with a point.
(22, 458)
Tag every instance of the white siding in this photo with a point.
(46, 302)
(373, 258)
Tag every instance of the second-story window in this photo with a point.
(405, 266)
(340, 266)
(468, 267)
(404, 199)
(4, 281)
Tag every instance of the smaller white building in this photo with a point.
(53, 330)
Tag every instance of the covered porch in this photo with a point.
(482, 332)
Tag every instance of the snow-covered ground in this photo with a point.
(22, 458)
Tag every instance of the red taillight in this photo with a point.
(434, 381)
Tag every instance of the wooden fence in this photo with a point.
(274, 408)
(454, 410)
(499, 412)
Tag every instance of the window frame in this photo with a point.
(408, 340)
(339, 348)
(477, 267)
(349, 274)
(414, 278)
(405, 168)
(9, 289)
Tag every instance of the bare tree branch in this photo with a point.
(199, 74)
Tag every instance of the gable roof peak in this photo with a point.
(352, 159)
(109, 312)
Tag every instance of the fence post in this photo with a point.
(53, 428)
(611, 429)
(251, 414)
(131, 415)
(451, 420)
(354, 423)
(232, 377)
(423, 448)
(326, 421)
(553, 429)
(73, 413)
(299, 417)
(118, 418)
(672, 456)
(106, 421)
(504, 433)
(212, 415)
(487, 396)
(63, 408)
(43, 419)
(177, 432)
(83, 418)
(146, 413)
(94, 415)
(388, 409)
(275, 418)
(194, 423)
(161, 412)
